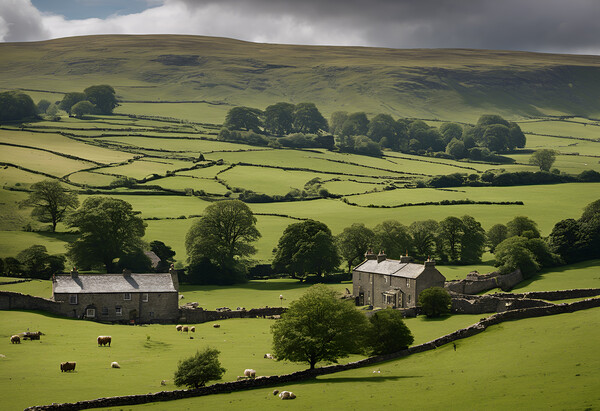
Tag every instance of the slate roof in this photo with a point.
(391, 267)
(114, 283)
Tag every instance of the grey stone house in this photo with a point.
(127, 297)
(381, 282)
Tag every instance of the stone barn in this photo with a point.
(383, 282)
(127, 297)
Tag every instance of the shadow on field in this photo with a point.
(374, 378)
(435, 319)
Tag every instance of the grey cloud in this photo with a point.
(20, 21)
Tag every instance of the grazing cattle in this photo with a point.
(67, 366)
(179, 327)
(15, 339)
(32, 335)
(216, 325)
(269, 356)
(104, 340)
(193, 329)
(249, 373)
(185, 328)
(114, 364)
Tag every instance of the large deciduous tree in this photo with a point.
(243, 118)
(495, 235)
(197, 370)
(165, 253)
(306, 247)
(319, 327)
(308, 119)
(108, 228)
(543, 158)
(35, 262)
(102, 97)
(388, 332)
(82, 108)
(451, 232)
(522, 226)
(51, 202)
(425, 236)
(15, 105)
(279, 118)
(435, 301)
(223, 234)
(70, 99)
(353, 242)
(472, 242)
(393, 237)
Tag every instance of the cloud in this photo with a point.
(536, 25)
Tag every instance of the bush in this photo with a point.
(388, 333)
(435, 301)
(200, 368)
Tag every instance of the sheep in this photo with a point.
(179, 327)
(269, 356)
(185, 328)
(250, 373)
(275, 392)
(114, 364)
(163, 382)
(287, 395)
(67, 366)
(216, 325)
(193, 329)
(15, 339)
(104, 340)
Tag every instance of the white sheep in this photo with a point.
(193, 329)
(114, 364)
(287, 395)
(249, 373)
(269, 356)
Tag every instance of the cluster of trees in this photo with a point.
(33, 262)
(16, 106)
(301, 125)
(98, 99)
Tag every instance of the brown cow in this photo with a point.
(67, 366)
(103, 340)
(15, 339)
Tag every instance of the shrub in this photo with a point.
(198, 369)
(435, 301)
(388, 333)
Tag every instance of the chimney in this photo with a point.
(74, 273)
(381, 256)
(405, 259)
(174, 277)
(126, 272)
(370, 255)
(429, 263)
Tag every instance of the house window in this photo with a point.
(409, 298)
(73, 299)
(104, 310)
(119, 310)
(90, 312)
(127, 296)
(151, 314)
(407, 283)
(145, 297)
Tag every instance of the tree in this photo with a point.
(35, 262)
(12, 267)
(199, 369)
(43, 105)
(223, 234)
(319, 327)
(516, 137)
(522, 226)
(306, 247)
(388, 332)
(52, 113)
(15, 105)
(357, 124)
(136, 261)
(451, 131)
(383, 126)
(456, 148)
(308, 119)
(337, 121)
(513, 253)
(496, 137)
(51, 202)
(495, 235)
(489, 119)
(243, 118)
(543, 158)
(424, 234)
(279, 118)
(82, 108)
(472, 242)
(165, 253)
(451, 231)
(353, 242)
(103, 97)
(393, 237)
(108, 229)
(70, 99)
(364, 145)
(435, 301)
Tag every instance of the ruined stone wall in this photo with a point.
(274, 380)
(189, 315)
(475, 284)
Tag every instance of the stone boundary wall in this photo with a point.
(261, 382)
(198, 315)
(14, 282)
(475, 284)
(17, 301)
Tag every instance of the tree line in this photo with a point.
(302, 125)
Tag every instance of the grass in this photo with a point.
(581, 275)
(143, 168)
(41, 161)
(183, 182)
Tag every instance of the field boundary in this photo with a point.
(262, 382)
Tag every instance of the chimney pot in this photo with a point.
(74, 272)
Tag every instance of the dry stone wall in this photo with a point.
(261, 382)
(16, 301)
(476, 283)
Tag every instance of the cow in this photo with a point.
(67, 366)
(104, 340)
(15, 339)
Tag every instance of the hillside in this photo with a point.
(193, 76)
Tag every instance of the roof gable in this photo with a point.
(391, 267)
(113, 283)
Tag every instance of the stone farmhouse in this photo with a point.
(127, 297)
(381, 282)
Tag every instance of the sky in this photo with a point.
(555, 26)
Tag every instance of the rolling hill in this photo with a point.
(193, 76)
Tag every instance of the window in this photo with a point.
(73, 299)
(118, 310)
(145, 297)
(407, 283)
(127, 296)
(104, 310)
(151, 314)
(409, 298)
(90, 312)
